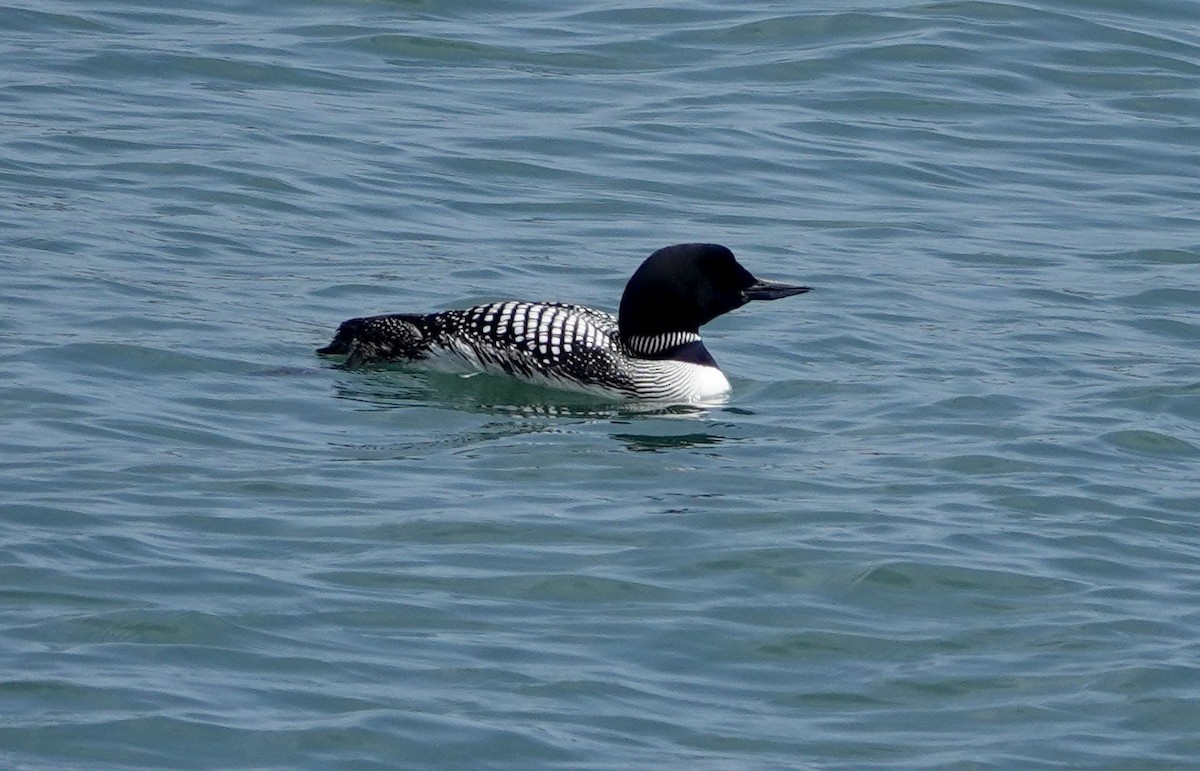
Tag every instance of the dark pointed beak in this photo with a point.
(769, 290)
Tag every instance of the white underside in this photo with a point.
(674, 381)
(700, 383)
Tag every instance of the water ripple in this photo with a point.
(950, 506)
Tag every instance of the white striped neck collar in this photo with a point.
(652, 345)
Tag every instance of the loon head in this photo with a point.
(680, 288)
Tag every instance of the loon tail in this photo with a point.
(395, 337)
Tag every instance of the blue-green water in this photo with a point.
(948, 518)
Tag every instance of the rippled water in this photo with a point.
(947, 519)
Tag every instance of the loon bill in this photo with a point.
(650, 350)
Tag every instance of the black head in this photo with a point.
(680, 288)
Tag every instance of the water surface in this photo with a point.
(947, 519)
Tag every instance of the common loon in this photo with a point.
(651, 350)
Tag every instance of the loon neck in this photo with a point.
(654, 346)
(676, 346)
